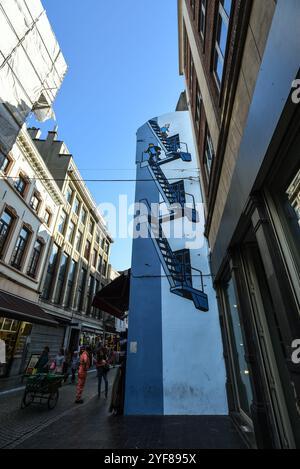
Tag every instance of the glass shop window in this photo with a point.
(238, 349)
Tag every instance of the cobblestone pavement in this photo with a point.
(90, 425)
(16, 424)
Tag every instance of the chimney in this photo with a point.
(34, 133)
(52, 134)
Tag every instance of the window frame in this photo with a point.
(24, 179)
(69, 190)
(8, 160)
(202, 15)
(61, 278)
(62, 232)
(36, 195)
(33, 261)
(221, 18)
(49, 212)
(78, 237)
(208, 168)
(198, 105)
(24, 249)
(70, 234)
(9, 231)
(50, 273)
(87, 243)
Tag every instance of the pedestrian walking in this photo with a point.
(67, 365)
(84, 364)
(74, 366)
(102, 367)
(59, 361)
(118, 390)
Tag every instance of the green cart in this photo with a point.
(42, 388)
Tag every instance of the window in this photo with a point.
(221, 39)
(80, 290)
(90, 293)
(91, 226)
(35, 258)
(238, 346)
(208, 155)
(106, 247)
(4, 162)
(87, 250)
(62, 222)
(35, 202)
(78, 241)
(191, 73)
(6, 223)
(193, 7)
(285, 193)
(99, 263)
(70, 283)
(104, 268)
(69, 195)
(95, 258)
(83, 215)
(70, 232)
(20, 248)
(198, 105)
(103, 243)
(186, 49)
(202, 18)
(60, 279)
(76, 207)
(20, 185)
(50, 273)
(94, 309)
(98, 237)
(47, 217)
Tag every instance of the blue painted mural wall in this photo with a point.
(175, 359)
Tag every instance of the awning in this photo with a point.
(15, 307)
(114, 298)
(91, 328)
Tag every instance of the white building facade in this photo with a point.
(29, 207)
(174, 360)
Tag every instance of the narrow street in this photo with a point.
(90, 425)
(17, 425)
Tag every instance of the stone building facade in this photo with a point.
(240, 59)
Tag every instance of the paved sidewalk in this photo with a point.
(16, 424)
(90, 425)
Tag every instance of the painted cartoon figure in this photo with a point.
(165, 130)
(154, 153)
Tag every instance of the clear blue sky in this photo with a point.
(123, 69)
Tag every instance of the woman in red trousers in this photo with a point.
(84, 365)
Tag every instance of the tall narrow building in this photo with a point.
(240, 59)
(175, 361)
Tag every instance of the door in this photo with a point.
(270, 343)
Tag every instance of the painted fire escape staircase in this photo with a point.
(181, 279)
(184, 280)
(171, 193)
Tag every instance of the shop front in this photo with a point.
(19, 319)
(91, 336)
(259, 296)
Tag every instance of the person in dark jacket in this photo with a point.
(118, 389)
(42, 365)
(102, 367)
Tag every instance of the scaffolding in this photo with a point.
(32, 67)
